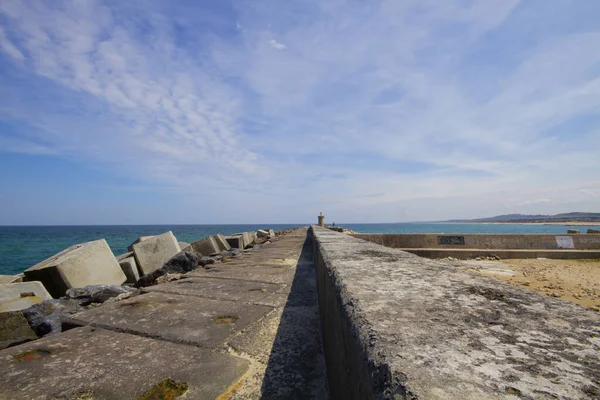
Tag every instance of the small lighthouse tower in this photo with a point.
(321, 220)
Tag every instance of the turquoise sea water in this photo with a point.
(24, 246)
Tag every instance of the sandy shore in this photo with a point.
(577, 281)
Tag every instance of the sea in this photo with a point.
(24, 246)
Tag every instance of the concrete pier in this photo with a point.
(246, 328)
(398, 326)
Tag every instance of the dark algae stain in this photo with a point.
(225, 319)
(166, 390)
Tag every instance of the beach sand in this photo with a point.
(577, 281)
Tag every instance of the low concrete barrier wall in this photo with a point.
(398, 326)
(484, 241)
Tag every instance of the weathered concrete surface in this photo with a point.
(21, 295)
(219, 289)
(14, 329)
(223, 245)
(138, 240)
(130, 269)
(154, 252)
(207, 246)
(399, 326)
(92, 363)
(483, 241)
(183, 319)
(11, 278)
(467, 254)
(84, 264)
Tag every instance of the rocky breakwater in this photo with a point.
(88, 275)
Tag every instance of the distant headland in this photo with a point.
(572, 218)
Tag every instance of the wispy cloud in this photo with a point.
(391, 110)
(276, 45)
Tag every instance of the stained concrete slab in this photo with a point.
(92, 363)
(218, 289)
(184, 319)
(21, 295)
(91, 263)
(154, 252)
(424, 329)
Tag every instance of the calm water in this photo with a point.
(24, 246)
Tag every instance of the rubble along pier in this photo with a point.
(244, 328)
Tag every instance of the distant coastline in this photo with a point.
(567, 223)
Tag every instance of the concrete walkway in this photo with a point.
(246, 328)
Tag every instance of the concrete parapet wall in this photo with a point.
(398, 326)
(484, 241)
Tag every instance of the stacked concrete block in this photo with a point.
(593, 231)
(19, 296)
(91, 263)
(183, 246)
(129, 266)
(223, 244)
(261, 233)
(573, 231)
(236, 241)
(138, 240)
(271, 233)
(207, 246)
(153, 252)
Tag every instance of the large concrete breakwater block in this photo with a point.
(22, 295)
(207, 246)
(396, 323)
(92, 363)
(184, 319)
(90, 263)
(236, 241)
(153, 252)
(223, 244)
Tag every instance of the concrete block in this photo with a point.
(130, 269)
(236, 241)
(11, 278)
(14, 329)
(219, 289)
(261, 233)
(223, 245)
(271, 233)
(184, 319)
(19, 296)
(183, 245)
(573, 231)
(154, 252)
(90, 263)
(593, 231)
(207, 246)
(86, 363)
(124, 255)
(138, 240)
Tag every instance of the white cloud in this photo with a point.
(276, 45)
(9, 48)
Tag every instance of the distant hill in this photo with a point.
(524, 218)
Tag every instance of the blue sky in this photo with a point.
(273, 111)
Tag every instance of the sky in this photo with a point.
(202, 112)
